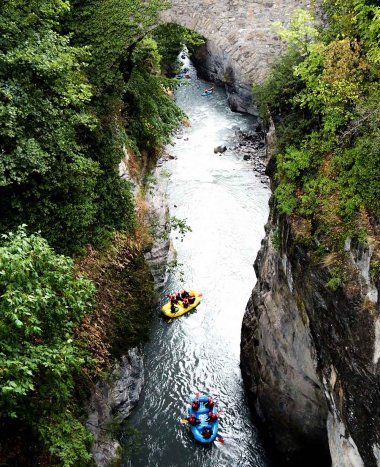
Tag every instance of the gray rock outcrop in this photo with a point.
(310, 355)
(111, 402)
(158, 217)
(220, 149)
(279, 360)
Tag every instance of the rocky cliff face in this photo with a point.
(310, 355)
(214, 66)
(111, 402)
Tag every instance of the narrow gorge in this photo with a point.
(227, 147)
(309, 354)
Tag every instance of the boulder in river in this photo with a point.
(220, 149)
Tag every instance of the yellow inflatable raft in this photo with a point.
(180, 308)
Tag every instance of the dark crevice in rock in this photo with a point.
(212, 65)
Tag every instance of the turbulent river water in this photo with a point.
(225, 202)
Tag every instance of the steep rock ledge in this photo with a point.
(115, 396)
(279, 360)
(112, 401)
(310, 356)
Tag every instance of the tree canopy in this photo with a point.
(81, 83)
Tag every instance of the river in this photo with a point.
(225, 202)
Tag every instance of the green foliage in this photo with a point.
(153, 115)
(66, 438)
(323, 96)
(293, 163)
(50, 176)
(301, 31)
(69, 104)
(333, 75)
(276, 240)
(41, 300)
(334, 283)
(129, 324)
(285, 196)
(171, 38)
(112, 28)
(180, 225)
(275, 97)
(356, 18)
(42, 93)
(79, 83)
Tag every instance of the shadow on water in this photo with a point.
(225, 202)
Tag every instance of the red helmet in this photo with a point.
(206, 432)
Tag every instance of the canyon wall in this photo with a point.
(310, 355)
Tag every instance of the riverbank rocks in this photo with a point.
(158, 217)
(110, 404)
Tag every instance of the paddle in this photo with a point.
(220, 439)
(184, 420)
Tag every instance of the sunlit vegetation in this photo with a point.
(323, 96)
(42, 300)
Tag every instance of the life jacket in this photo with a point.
(195, 404)
(206, 433)
(184, 293)
(191, 299)
(212, 416)
(192, 420)
(210, 402)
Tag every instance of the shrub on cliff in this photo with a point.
(41, 301)
(153, 115)
(323, 96)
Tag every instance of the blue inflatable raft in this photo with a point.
(202, 414)
(207, 93)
